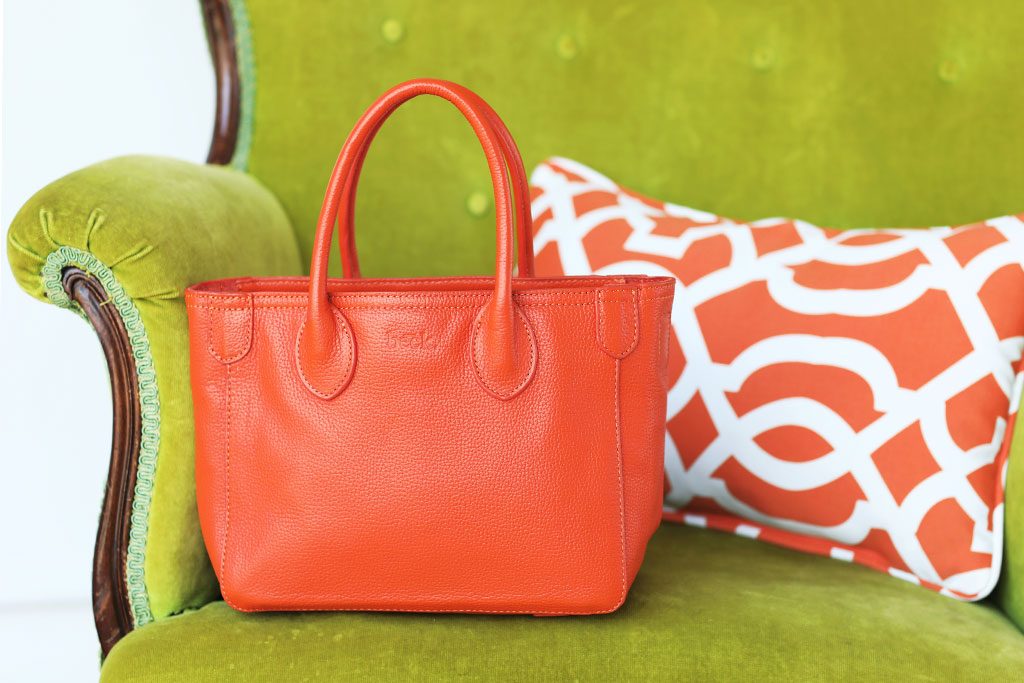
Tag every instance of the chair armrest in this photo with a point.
(118, 242)
(1010, 591)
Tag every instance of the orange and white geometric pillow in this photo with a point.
(846, 393)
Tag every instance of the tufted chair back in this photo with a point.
(845, 114)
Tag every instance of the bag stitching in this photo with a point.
(301, 296)
(467, 308)
(439, 294)
(457, 278)
(622, 504)
(296, 305)
(227, 482)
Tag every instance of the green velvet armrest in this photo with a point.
(146, 228)
(1010, 591)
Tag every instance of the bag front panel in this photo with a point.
(415, 489)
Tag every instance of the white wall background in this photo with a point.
(83, 80)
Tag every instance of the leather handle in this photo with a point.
(503, 347)
(520, 187)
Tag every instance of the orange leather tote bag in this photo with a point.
(464, 444)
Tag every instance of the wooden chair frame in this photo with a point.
(109, 588)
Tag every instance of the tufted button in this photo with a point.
(762, 58)
(477, 204)
(566, 47)
(392, 30)
(949, 70)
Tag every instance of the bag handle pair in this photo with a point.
(512, 160)
(503, 347)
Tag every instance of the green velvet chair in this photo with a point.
(843, 113)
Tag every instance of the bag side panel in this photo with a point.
(209, 380)
(643, 406)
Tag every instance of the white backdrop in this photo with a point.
(82, 81)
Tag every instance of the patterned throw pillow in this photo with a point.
(847, 393)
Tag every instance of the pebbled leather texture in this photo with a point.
(462, 444)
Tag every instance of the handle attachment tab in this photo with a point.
(504, 350)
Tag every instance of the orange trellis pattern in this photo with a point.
(847, 393)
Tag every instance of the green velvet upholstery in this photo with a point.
(868, 113)
(706, 606)
(1009, 593)
(846, 114)
(842, 113)
(156, 226)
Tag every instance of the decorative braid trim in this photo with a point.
(149, 401)
(247, 83)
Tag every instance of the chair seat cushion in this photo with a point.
(706, 605)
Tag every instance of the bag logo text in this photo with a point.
(401, 339)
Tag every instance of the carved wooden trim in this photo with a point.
(110, 600)
(220, 34)
(110, 604)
